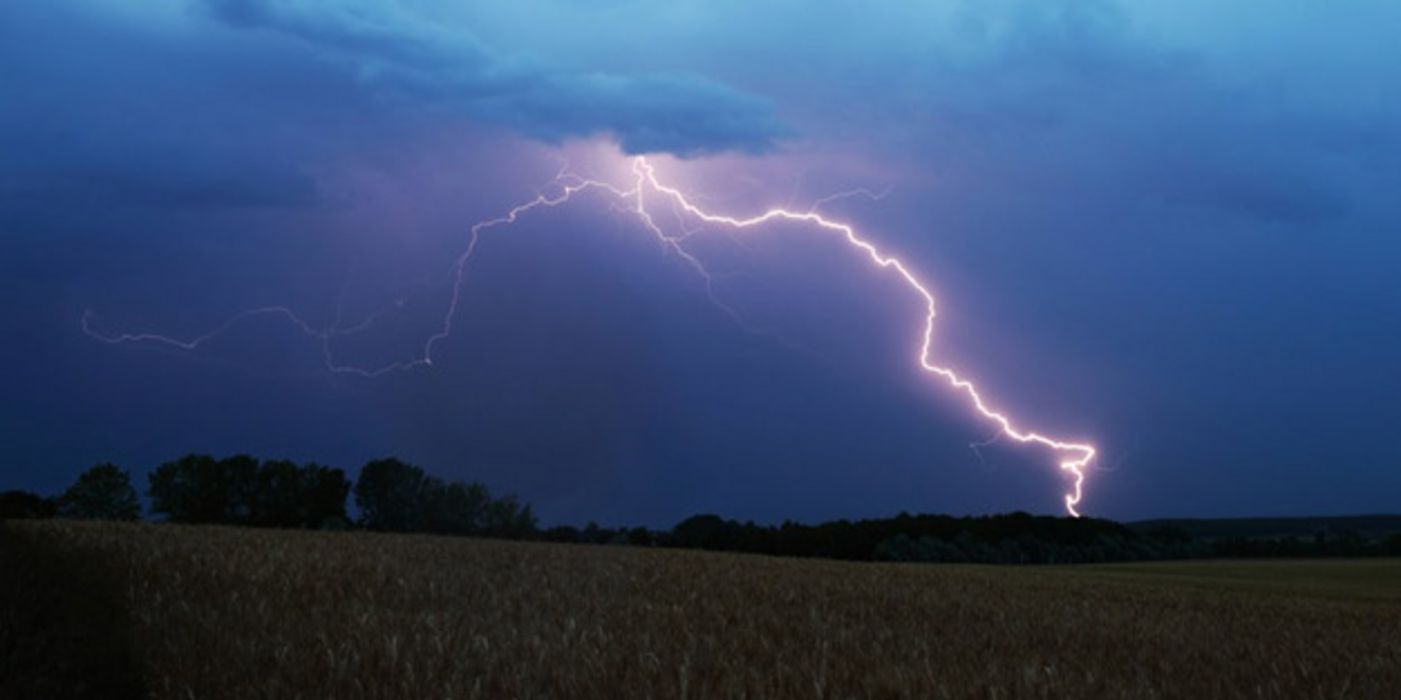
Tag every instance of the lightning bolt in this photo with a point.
(1075, 456)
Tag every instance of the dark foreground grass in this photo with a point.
(220, 612)
(64, 625)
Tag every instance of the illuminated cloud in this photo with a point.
(392, 51)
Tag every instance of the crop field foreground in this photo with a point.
(107, 610)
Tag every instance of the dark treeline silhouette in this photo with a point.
(240, 490)
(398, 497)
(394, 496)
(1279, 528)
(26, 505)
(1016, 538)
(103, 492)
(391, 495)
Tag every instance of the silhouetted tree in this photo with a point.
(507, 517)
(325, 491)
(278, 496)
(286, 495)
(455, 508)
(23, 504)
(641, 537)
(399, 497)
(704, 531)
(201, 489)
(103, 492)
(562, 533)
(390, 496)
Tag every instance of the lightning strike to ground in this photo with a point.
(1075, 456)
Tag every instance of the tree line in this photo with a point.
(1014, 538)
(393, 496)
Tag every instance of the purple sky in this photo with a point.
(1166, 228)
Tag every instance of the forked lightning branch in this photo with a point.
(639, 198)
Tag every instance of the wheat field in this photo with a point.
(108, 610)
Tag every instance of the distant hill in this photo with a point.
(1367, 526)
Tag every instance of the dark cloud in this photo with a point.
(398, 54)
(145, 107)
(101, 111)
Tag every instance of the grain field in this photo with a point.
(167, 611)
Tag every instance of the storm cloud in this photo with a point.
(390, 50)
(1166, 226)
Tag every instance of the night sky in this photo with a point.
(1169, 228)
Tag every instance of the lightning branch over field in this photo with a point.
(1075, 456)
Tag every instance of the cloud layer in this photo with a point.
(392, 51)
(1166, 225)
